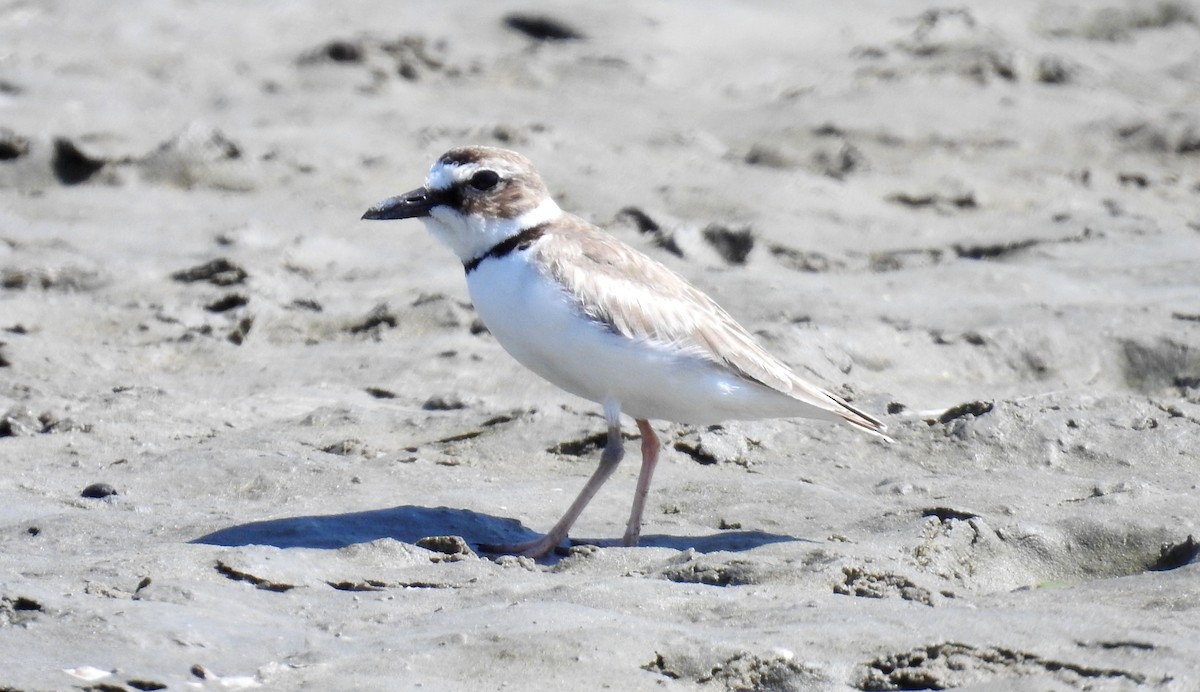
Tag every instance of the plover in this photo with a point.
(599, 319)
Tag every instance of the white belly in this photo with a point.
(535, 321)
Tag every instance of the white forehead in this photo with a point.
(444, 176)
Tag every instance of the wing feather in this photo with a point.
(640, 298)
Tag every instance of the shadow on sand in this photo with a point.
(409, 524)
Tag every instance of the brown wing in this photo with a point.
(639, 298)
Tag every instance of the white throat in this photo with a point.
(472, 236)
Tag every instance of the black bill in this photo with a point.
(410, 205)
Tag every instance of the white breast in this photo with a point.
(539, 324)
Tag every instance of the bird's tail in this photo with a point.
(860, 419)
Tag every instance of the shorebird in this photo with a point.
(599, 319)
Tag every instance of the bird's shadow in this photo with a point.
(409, 524)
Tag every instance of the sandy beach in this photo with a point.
(250, 441)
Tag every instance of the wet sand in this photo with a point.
(247, 440)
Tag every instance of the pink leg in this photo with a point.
(614, 450)
(650, 445)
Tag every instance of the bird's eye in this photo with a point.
(484, 180)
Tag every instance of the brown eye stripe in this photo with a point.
(505, 201)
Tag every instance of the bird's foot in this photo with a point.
(535, 549)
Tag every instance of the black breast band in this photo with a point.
(519, 241)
